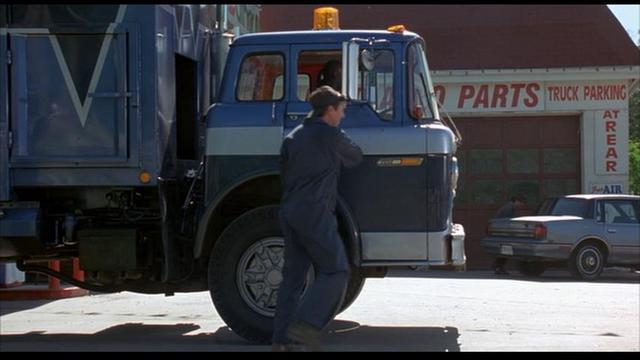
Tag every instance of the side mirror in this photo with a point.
(367, 60)
(350, 60)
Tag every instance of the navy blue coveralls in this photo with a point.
(311, 157)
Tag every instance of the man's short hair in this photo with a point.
(323, 97)
(519, 197)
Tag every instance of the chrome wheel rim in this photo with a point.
(589, 261)
(259, 275)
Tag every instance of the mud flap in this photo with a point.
(171, 267)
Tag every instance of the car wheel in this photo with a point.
(587, 262)
(245, 271)
(531, 268)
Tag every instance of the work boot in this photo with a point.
(280, 347)
(306, 334)
(293, 347)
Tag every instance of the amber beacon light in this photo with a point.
(325, 18)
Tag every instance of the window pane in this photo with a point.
(487, 192)
(382, 96)
(419, 83)
(522, 161)
(304, 85)
(278, 86)
(317, 68)
(619, 212)
(575, 207)
(485, 161)
(559, 187)
(529, 188)
(376, 86)
(258, 75)
(560, 160)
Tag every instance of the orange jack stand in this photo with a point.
(53, 291)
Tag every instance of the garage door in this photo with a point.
(500, 157)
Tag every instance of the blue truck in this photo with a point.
(144, 140)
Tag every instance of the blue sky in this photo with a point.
(629, 17)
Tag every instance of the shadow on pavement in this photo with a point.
(342, 336)
(11, 306)
(350, 336)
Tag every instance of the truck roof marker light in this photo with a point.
(326, 18)
(144, 177)
(397, 29)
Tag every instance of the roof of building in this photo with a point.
(487, 36)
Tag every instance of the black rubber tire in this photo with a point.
(233, 242)
(531, 268)
(587, 262)
(354, 287)
(243, 232)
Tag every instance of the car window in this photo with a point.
(545, 207)
(575, 207)
(619, 212)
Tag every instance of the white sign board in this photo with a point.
(611, 150)
(606, 189)
(532, 96)
(591, 95)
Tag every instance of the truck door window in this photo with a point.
(304, 84)
(325, 68)
(317, 68)
(378, 84)
(257, 79)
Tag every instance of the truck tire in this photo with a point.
(587, 262)
(531, 268)
(244, 274)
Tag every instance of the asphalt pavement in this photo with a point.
(440, 311)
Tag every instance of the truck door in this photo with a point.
(387, 191)
(73, 96)
(246, 124)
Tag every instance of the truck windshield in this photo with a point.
(421, 96)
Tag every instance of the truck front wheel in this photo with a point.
(245, 271)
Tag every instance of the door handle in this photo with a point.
(296, 115)
(612, 231)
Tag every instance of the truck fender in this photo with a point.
(343, 212)
(203, 223)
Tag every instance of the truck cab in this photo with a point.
(395, 208)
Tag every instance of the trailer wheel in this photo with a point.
(245, 271)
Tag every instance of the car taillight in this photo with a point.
(540, 231)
